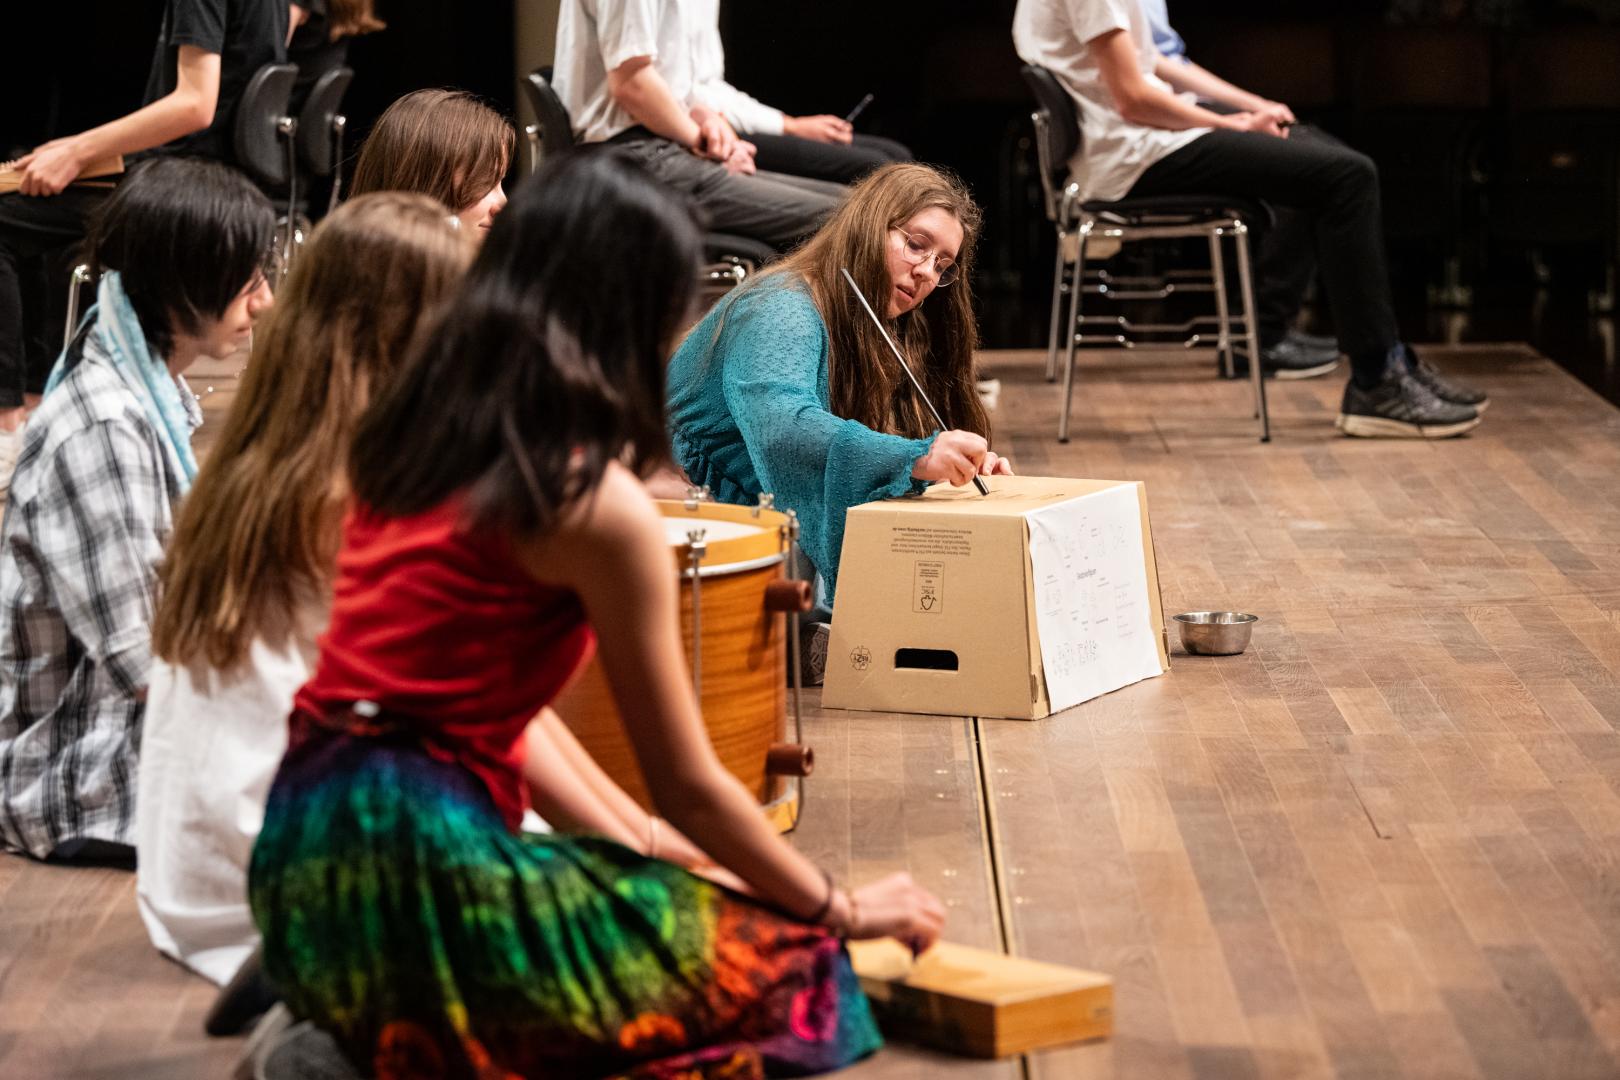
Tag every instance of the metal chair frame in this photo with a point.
(1077, 222)
(77, 280)
(321, 127)
(729, 268)
(272, 85)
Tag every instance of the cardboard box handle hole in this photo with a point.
(925, 660)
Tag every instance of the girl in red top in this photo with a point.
(498, 527)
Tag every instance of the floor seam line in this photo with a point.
(992, 853)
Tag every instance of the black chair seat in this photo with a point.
(1179, 209)
(717, 246)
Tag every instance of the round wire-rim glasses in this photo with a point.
(918, 249)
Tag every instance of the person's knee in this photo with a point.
(1355, 170)
(890, 150)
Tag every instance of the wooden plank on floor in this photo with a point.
(893, 793)
(1379, 843)
(85, 994)
(1080, 815)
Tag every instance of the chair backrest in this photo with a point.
(556, 131)
(316, 142)
(259, 114)
(1057, 130)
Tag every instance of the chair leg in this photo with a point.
(1240, 232)
(1223, 341)
(339, 123)
(1057, 307)
(76, 281)
(1075, 292)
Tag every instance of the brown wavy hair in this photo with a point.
(257, 537)
(447, 144)
(937, 337)
(351, 18)
(548, 363)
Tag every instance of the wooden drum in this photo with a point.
(738, 611)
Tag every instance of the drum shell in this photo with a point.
(744, 698)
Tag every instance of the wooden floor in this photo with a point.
(1380, 844)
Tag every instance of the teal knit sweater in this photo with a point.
(748, 413)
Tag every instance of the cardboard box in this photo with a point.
(976, 1002)
(940, 604)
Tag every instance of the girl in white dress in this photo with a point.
(246, 581)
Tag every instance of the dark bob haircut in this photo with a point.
(187, 235)
(548, 363)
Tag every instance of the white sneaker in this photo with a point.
(990, 393)
(11, 444)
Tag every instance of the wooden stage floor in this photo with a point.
(1376, 845)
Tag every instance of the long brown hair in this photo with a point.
(257, 536)
(938, 337)
(446, 144)
(351, 18)
(548, 363)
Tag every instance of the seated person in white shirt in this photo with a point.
(1140, 137)
(181, 246)
(246, 579)
(1287, 258)
(624, 71)
(826, 147)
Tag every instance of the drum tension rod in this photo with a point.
(790, 538)
(696, 546)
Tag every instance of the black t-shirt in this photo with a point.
(314, 51)
(246, 35)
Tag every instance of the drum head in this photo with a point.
(735, 538)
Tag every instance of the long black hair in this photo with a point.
(549, 362)
(187, 235)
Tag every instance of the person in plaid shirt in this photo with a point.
(181, 245)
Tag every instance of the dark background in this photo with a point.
(1494, 122)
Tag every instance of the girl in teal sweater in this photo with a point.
(787, 387)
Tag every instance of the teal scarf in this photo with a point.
(116, 334)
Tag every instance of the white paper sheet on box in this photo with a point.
(1091, 596)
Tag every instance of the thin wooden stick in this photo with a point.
(904, 366)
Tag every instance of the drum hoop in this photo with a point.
(721, 569)
(737, 554)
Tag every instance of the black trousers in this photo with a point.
(1334, 191)
(38, 245)
(825, 161)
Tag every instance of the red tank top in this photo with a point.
(441, 628)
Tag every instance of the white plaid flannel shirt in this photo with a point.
(92, 504)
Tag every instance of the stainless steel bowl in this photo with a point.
(1216, 633)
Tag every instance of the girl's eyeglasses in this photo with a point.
(919, 249)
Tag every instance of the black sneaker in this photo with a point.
(1313, 341)
(1442, 387)
(1401, 407)
(1288, 359)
